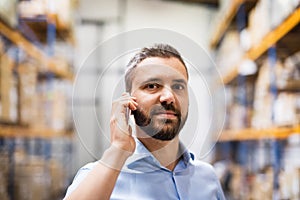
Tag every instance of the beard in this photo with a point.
(159, 128)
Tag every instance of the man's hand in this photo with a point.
(120, 131)
(101, 180)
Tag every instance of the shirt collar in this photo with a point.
(143, 161)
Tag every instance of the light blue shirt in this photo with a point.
(143, 178)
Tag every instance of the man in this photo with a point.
(154, 165)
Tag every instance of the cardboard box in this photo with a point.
(32, 182)
(8, 90)
(58, 178)
(4, 169)
(28, 103)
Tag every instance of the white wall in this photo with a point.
(190, 20)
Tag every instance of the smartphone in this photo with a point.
(128, 113)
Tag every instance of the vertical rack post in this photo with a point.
(241, 79)
(244, 148)
(51, 33)
(275, 144)
(11, 172)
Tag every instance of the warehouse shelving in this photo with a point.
(12, 131)
(39, 25)
(270, 39)
(41, 133)
(35, 33)
(250, 145)
(257, 134)
(225, 22)
(227, 17)
(17, 38)
(254, 53)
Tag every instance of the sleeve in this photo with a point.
(81, 174)
(207, 172)
(220, 193)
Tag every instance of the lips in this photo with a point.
(166, 113)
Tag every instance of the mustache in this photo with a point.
(164, 108)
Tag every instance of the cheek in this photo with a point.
(143, 105)
(145, 100)
(184, 106)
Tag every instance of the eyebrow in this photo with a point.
(180, 81)
(151, 80)
(159, 80)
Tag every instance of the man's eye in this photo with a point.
(152, 86)
(178, 87)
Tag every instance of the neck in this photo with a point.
(166, 152)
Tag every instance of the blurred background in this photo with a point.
(253, 43)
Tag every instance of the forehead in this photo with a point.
(156, 67)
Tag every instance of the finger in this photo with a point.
(125, 94)
(125, 100)
(132, 105)
(128, 103)
(134, 101)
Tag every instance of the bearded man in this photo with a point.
(152, 163)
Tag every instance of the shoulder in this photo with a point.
(204, 169)
(206, 173)
(198, 165)
(202, 165)
(81, 174)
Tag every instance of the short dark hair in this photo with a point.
(157, 50)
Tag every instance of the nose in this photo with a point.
(167, 96)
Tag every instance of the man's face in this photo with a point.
(160, 86)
